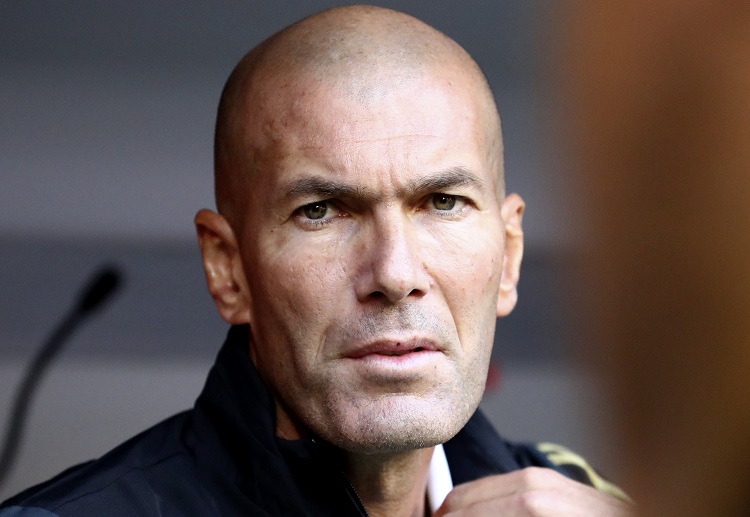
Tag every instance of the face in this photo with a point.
(372, 246)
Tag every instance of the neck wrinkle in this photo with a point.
(392, 484)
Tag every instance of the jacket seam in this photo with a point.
(116, 480)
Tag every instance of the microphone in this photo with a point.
(101, 286)
(105, 283)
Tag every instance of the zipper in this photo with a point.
(348, 487)
(354, 496)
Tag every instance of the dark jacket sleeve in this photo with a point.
(17, 511)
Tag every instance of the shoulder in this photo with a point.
(478, 451)
(124, 481)
(567, 462)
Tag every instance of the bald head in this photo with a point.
(362, 53)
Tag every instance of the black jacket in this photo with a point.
(222, 458)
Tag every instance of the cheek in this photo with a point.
(467, 266)
(299, 282)
(293, 304)
(469, 261)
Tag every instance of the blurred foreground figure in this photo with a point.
(662, 90)
(362, 251)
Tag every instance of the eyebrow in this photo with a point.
(316, 186)
(452, 177)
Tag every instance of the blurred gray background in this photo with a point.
(106, 121)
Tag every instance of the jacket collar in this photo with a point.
(234, 422)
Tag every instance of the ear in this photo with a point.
(223, 266)
(512, 214)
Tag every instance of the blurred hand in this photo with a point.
(531, 492)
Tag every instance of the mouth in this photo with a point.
(393, 348)
(386, 361)
(400, 352)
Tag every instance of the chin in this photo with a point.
(393, 425)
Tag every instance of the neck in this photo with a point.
(391, 484)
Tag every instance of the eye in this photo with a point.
(448, 206)
(444, 202)
(316, 215)
(315, 211)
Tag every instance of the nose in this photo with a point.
(393, 265)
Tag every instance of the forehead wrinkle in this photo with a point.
(392, 137)
(317, 147)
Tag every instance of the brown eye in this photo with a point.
(443, 201)
(315, 210)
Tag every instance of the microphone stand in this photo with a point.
(99, 288)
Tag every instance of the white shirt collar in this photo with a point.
(439, 481)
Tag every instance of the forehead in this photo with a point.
(393, 129)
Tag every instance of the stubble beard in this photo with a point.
(360, 421)
(397, 422)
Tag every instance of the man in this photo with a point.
(362, 250)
